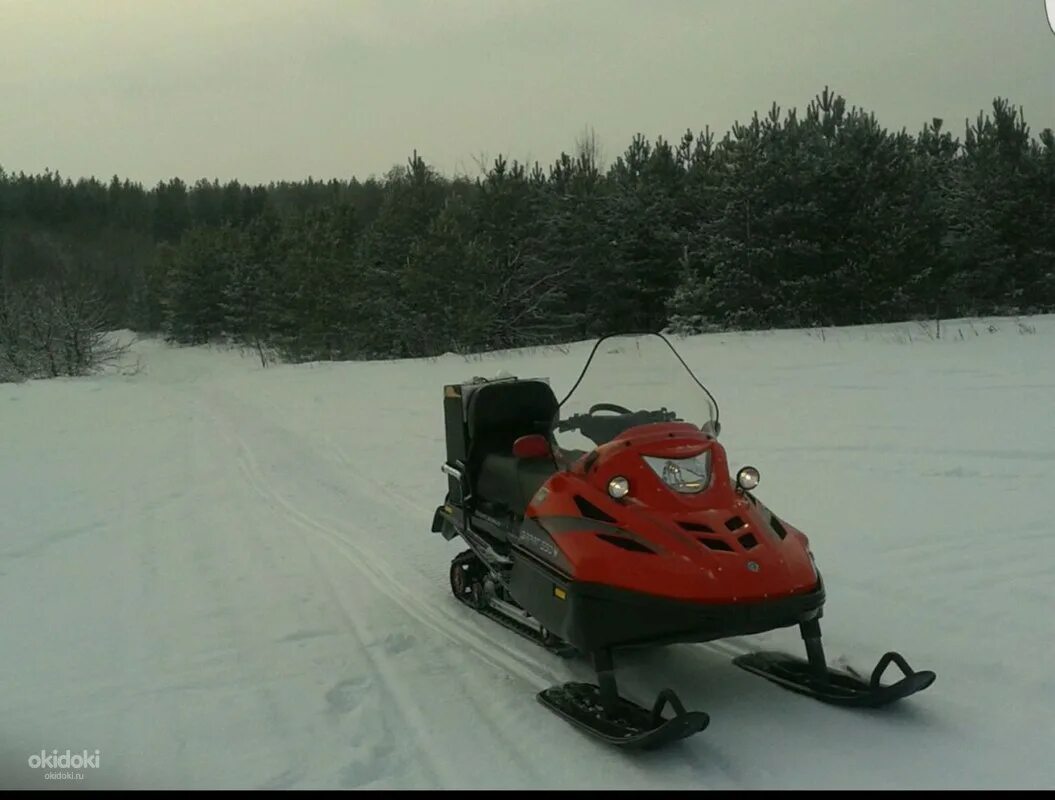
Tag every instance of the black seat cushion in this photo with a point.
(511, 481)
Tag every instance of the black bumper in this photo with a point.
(596, 616)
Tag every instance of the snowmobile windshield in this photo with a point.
(629, 381)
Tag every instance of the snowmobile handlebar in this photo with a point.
(603, 428)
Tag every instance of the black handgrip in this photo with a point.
(570, 424)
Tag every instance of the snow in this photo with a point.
(220, 575)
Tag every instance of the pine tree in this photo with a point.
(198, 272)
(993, 216)
(413, 196)
(171, 211)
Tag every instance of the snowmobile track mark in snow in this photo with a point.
(442, 620)
(406, 709)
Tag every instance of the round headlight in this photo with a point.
(747, 478)
(619, 487)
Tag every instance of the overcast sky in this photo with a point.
(265, 90)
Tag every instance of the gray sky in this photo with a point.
(282, 89)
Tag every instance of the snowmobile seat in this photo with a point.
(512, 482)
(499, 413)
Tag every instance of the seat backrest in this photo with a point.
(501, 412)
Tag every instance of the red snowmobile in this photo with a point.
(593, 527)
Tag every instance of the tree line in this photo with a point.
(788, 220)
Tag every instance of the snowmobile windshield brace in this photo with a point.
(629, 381)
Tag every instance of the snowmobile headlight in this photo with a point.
(747, 478)
(684, 475)
(619, 487)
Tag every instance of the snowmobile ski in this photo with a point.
(627, 725)
(600, 711)
(835, 686)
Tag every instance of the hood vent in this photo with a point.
(715, 544)
(590, 511)
(625, 543)
(696, 527)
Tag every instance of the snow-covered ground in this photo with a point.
(222, 576)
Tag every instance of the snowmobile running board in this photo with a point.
(470, 568)
(553, 645)
(837, 688)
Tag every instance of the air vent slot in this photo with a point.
(734, 523)
(715, 544)
(589, 510)
(748, 540)
(779, 529)
(632, 545)
(696, 527)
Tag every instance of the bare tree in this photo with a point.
(483, 163)
(519, 302)
(86, 342)
(589, 150)
(15, 359)
(55, 330)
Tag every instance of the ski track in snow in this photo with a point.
(448, 619)
(382, 581)
(222, 576)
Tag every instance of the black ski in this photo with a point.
(626, 724)
(834, 686)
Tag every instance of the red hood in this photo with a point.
(720, 545)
